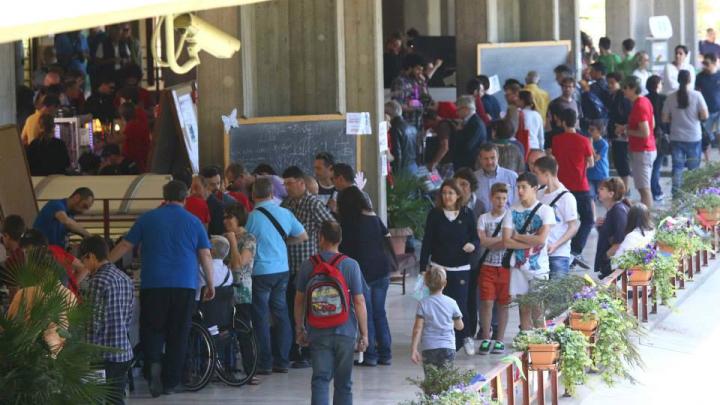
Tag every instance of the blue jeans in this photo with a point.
(379, 340)
(655, 176)
(559, 267)
(585, 213)
(684, 155)
(713, 122)
(332, 359)
(268, 298)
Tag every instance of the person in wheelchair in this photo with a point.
(219, 311)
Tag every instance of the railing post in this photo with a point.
(510, 386)
(526, 381)
(106, 218)
(697, 262)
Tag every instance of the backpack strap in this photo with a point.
(274, 221)
(557, 198)
(337, 259)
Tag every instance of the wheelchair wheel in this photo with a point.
(236, 354)
(199, 358)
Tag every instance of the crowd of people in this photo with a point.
(99, 75)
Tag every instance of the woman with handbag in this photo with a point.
(450, 240)
(365, 239)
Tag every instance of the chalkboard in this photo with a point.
(515, 59)
(283, 144)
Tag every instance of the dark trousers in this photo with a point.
(296, 352)
(655, 177)
(457, 289)
(471, 322)
(116, 375)
(585, 213)
(165, 318)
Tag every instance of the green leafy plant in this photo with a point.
(574, 357)
(31, 372)
(664, 269)
(636, 258)
(700, 178)
(554, 296)
(440, 379)
(585, 302)
(615, 352)
(406, 207)
(708, 201)
(454, 396)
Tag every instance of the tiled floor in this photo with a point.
(377, 386)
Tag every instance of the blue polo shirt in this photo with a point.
(170, 238)
(709, 85)
(271, 255)
(48, 225)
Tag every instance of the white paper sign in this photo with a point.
(660, 27)
(188, 122)
(383, 164)
(494, 84)
(382, 136)
(357, 123)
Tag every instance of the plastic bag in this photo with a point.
(420, 291)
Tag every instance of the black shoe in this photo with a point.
(300, 364)
(280, 370)
(365, 363)
(156, 385)
(578, 261)
(175, 390)
(263, 372)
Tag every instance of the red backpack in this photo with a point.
(327, 297)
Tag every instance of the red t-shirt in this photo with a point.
(198, 207)
(137, 142)
(642, 110)
(241, 198)
(571, 151)
(66, 260)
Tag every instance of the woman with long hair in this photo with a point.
(653, 88)
(450, 240)
(611, 229)
(639, 231)
(684, 110)
(532, 119)
(365, 240)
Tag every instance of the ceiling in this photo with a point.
(34, 18)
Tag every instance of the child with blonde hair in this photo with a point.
(436, 316)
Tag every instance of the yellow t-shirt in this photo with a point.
(32, 129)
(541, 99)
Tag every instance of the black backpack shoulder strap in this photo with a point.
(529, 218)
(557, 198)
(274, 221)
(336, 260)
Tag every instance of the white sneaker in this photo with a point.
(469, 346)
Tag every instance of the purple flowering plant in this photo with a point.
(642, 257)
(708, 198)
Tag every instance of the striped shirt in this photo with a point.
(111, 293)
(311, 212)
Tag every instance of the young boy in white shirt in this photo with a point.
(525, 231)
(493, 279)
(564, 206)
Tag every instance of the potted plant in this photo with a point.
(439, 380)
(583, 315)
(637, 262)
(541, 348)
(708, 205)
(664, 269)
(702, 177)
(31, 372)
(671, 234)
(406, 210)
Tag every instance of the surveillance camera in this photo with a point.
(206, 37)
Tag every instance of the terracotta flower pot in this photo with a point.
(665, 248)
(587, 327)
(544, 354)
(711, 216)
(639, 275)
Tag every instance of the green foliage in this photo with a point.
(555, 296)
(664, 268)
(700, 178)
(531, 337)
(574, 357)
(708, 201)
(453, 397)
(438, 380)
(30, 373)
(615, 352)
(641, 257)
(406, 207)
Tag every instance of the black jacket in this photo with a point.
(403, 142)
(444, 239)
(467, 141)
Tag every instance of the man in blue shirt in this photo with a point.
(172, 242)
(332, 348)
(274, 228)
(490, 173)
(708, 83)
(57, 217)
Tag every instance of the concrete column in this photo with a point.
(569, 25)
(473, 19)
(220, 87)
(539, 20)
(508, 20)
(628, 19)
(363, 83)
(423, 15)
(7, 84)
(447, 11)
(683, 17)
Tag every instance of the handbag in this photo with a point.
(274, 221)
(508, 253)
